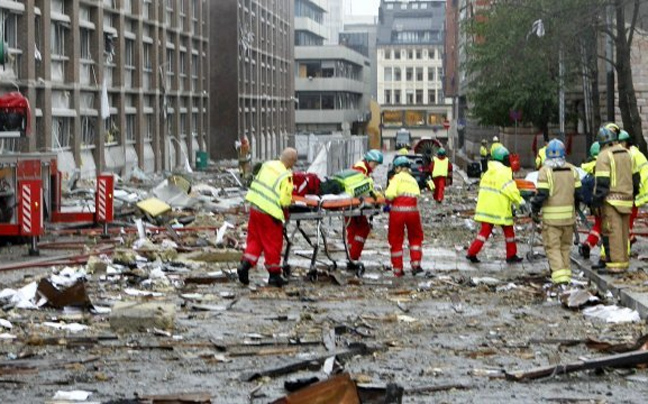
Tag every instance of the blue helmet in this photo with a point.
(374, 155)
(555, 149)
(605, 136)
(402, 161)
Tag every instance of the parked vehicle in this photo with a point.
(420, 167)
(403, 139)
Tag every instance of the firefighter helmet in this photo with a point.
(402, 161)
(624, 136)
(605, 136)
(374, 155)
(595, 149)
(441, 152)
(555, 149)
(500, 154)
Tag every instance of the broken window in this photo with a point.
(130, 128)
(88, 133)
(85, 43)
(61, 135)
(57, 39)
(150, 125)
(129, 62)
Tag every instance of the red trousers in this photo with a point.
(398, 221)
(358, 228)
(265, 236)
(595, 233)
(439, 188)
(486, 230)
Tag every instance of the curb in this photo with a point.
(633, 300)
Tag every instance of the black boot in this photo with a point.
(584, 251)
(243, 272)
(417, 270)
(473, 259)
(353, 266)
(276, 280)
(514, 260)
(599, 266)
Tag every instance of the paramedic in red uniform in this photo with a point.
(358, 228)
(269, 195)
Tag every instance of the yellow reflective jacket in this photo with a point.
(483, 151)
(542, 156)
(497, 191)
(402, 184)
(640, 165)
(494, 147)
(589, 166)
(271, 190)
(403, 151)
(440, 167)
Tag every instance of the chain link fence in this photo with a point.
(328, 154)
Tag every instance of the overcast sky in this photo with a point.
(364, 7)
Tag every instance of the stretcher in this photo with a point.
(528, 190)
(305, 209)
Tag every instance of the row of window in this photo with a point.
(415, 37)
(413, 5)
(328, 101)
(412, 118)
(304, 8)
(412, 54)
(413, 74)
(412, 97)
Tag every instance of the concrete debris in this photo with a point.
(133, 317)
(7, 336)
(5, 324)
(72, 327)
(173, 195)
(213, 255)
(74, 395)
(154, 207)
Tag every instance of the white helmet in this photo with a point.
(495, 139)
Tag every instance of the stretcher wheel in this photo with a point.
(312, 275)
(287, 271)
(361, 270)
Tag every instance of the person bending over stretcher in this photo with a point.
(403, 193)
(358, 228)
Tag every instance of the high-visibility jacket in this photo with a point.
(494, 147)
(363, 167)
(354, 182)
(440, 167)
(483, 151)
(613, 173)
(542, 156)
(557, 188)
(404, 151)
(271, 190)
(497, 191)
(640, 165)
(402, 184)
(588, 167)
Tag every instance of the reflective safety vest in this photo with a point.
(640, 165)
(271, 189)
(497, 191)
(402, 185)
(483, 151)
(561, 182)
(494, 147)
(615, 163)
(404, 151)
(440, 167)
(354, 182)
(362, 167)
(542, 156)
(589, 167)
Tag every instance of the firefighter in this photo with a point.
(497, 191)
(495, 145)
(441, 169)
(542, 156)
(587, 192)
(403, 193)
(614, 193)
(269, 194)
(358, 228)
(483, 154)
(639, 167)
(558, 194)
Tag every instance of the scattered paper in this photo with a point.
(74, 395)
(72, 327)
(7, 336)
(612, 314)
(5, 324)
(135, 292)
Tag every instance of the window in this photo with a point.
(415, 6)
(419, 55)
(414, 118)
(390, 6)
(387, 96)
(419, 97)
(409, 74)
(392, 118)
(397, 96)
(130, 128)
(410, 97)
(397, 74)
(388, 74)
(424, 5)
(57, 40)
(431, 54)
(194, 15)
(432, 97)
(148, 135)
(148, 66)
(58, 7)
(410, 54)
(85, 44)
(403, 6)
(168, 15)
(419, 74)
(430, 72)
(88, 133)
(146, 9)
(10, 27)
(183, 63)
(397, 54)
(387, 54)
(61, 136)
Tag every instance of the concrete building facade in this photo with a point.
(410, 75)
(252, 85)
(362, 37)
(112, 84)
(331, 81)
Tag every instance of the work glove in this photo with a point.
(535, 216)
(386, 209)
(524, 207)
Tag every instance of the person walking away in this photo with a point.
(483, 155)
(495, 145)
(269, 195)
(542, 156)
(587, 191)
(497, 192)
(358, 228)
(558, 194)
(441, 169)
(404, 151)
(403, 193)
(640, 167)
(614, 193)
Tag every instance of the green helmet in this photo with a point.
(595, 149)
(500, 154)
(605, 136)
(374, 155)
(402, 161)
(624, 136)
(441, 151)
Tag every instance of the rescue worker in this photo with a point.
(358, 228)
(403, 193)
(542, 156)
(640, 167)
(587, 192)
(269, 194)
(404, 151)
(558, 194)
(483, 154)
(441, 169)
(497, 191)
(495, 145)
(614, 194)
